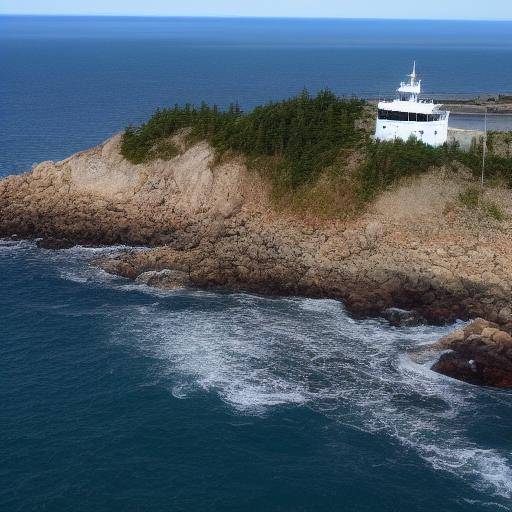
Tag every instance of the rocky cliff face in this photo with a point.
(98, 197)
(415, 248)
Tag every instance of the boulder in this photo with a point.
(484, 358)
(452, 339)
(503, 338)
(477, 326)
(476, 365)
(453, 365)
(54, 243)
(489, 332)
(168, 279)
(505, 316)
(403, 318)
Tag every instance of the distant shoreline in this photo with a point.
(240, 17)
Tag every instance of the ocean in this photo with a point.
(116, 396)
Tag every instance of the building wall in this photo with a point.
(466, 139)
(434, 133)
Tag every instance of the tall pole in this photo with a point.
(484, 148)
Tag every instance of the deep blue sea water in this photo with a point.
(114, 396)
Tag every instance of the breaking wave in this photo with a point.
(260, 353)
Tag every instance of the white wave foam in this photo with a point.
(84, 250)
(258, 353)
(491, 470)
(149, 290)
(9, 244)
(181, 391)
(87, 274)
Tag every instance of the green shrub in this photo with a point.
(493, 210)
(470, 198)
(305, 132)
(295, 141)
(164, 149)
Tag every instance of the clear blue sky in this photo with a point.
(430, 9)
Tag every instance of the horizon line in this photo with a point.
(236, 16)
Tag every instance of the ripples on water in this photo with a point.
(259, 354)
(117, 396)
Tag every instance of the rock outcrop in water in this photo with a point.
(480, 354)
(416, 248)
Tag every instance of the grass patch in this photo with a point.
(493, 210)
(472, 198)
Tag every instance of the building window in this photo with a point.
(392, 115)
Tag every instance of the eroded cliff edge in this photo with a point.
(212, 224)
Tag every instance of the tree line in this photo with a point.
(298, 139)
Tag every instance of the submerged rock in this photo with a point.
(403, 318)
(54, 243)
(168, 279)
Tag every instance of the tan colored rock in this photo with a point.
(502, 337)
(216, 223)
(505, 315)
(374, 230)
(452, 339)
(476, 327)
(489, 332)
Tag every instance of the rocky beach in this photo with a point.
(205, 223)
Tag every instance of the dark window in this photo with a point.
(392, 115)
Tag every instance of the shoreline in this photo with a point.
(212, 226)
(479, 353)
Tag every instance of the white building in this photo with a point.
(408, 116)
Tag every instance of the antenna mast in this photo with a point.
(484, 148)
(413, 74)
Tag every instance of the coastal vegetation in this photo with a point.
(316, 151)
(473, 199)
(306, 133)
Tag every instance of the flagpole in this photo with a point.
(484, 148)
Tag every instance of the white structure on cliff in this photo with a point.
(408, 116)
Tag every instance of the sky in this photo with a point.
(411, 9)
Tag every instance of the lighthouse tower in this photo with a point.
(407, 116)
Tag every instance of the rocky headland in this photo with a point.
(481, 353)
(211, 223)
